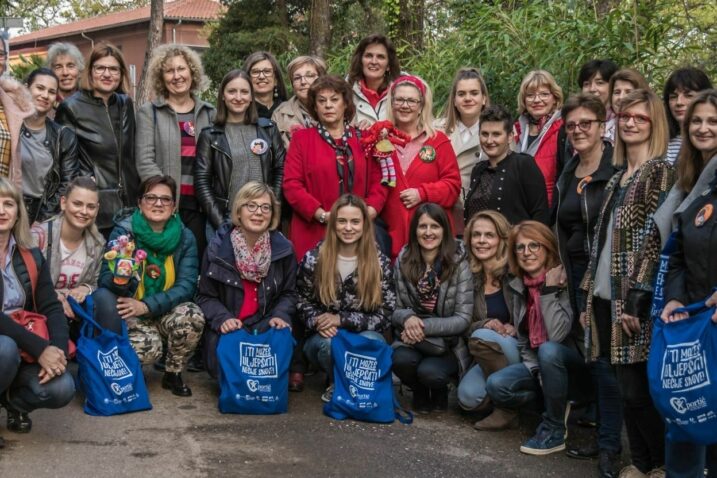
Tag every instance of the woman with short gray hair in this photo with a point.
(67, 62)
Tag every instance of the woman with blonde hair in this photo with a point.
(623, 261)
(538, 130)
(248, 275)
(344, 282)
(486, 241)
(27, 286)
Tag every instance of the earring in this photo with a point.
(276, 92)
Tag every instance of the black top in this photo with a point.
(497, 308)
(571, 220)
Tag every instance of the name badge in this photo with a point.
(704, 215)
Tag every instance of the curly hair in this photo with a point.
(162, 54)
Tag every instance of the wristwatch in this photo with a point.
(322, 218)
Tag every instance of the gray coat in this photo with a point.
(453, 309)
(158, 139)
(557, 314)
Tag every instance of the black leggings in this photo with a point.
(414, 368)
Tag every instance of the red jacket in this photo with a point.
(547, 155)
(438, 181)
(311, 181)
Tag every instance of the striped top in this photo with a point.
(673, 149)
(187, 199)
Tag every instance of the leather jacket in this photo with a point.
(105, 134)
(62, 144)
(213, 167)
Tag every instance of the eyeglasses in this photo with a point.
(309, 78)
(531, 246)
(410, 102)
(265, 72)
(153, 198)
(252, 207)
(636, 118)
(175, 71)
(584, 125)
(102, 69)
(542, 96)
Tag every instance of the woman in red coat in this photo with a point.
(325, 162)
(426, 167)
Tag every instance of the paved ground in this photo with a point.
(189, 437)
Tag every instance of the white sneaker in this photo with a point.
(328, 393)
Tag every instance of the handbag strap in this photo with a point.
(402, 415)
(31, 267)
(49, 242)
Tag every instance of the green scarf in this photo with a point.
(157, 245)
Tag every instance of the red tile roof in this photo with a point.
(200, 10)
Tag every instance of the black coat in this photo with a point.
(518, 189)
(591, 202)
(105, 135)
(62, 144)
(221, 292)
(46, 303)
(692, 273)
(213, 170)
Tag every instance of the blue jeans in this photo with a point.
(25, 391)
(318, 349)
(609, 405)
(472, 389)
(689, 460)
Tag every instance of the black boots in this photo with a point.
(426, 400)
(18, 422)
(173, 381)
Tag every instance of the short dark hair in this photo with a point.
(157, 180)
(587, 101)
(688, 78)
(102, 50)
(251, 116)
(332, 83)
(40, 72)
(356, 66)
(497, 114)
(606, 68)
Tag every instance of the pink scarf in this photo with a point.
(252, 264)
(536, 324)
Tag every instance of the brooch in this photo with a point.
(427, 154)
(703, 215)
(259, 146)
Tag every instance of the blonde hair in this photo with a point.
(659, 132)
(536, 231)
(534, 80)
(255, 190)
(451, 112)
(318, 63)
(21, 228)
(162, 54)
(425, 118)
(502, 229)
(368, 272)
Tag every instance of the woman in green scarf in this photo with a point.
(156, 301)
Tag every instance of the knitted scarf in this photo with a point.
(344, 157)
(159, 246)
(536, 324)
(252, 264)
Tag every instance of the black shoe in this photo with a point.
(607, 464)
(439, 399)
(159, 364)
(18, 422)
(195, 363)
(173, 381)
(421, 399)
(586, 452)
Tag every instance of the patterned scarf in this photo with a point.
(5, 144)
(428, 286)
(159, 246)
(253, 265)
(344, 157)
(536, 324)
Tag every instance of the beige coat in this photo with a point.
(17, 102)
(290, 116)
(364, 110)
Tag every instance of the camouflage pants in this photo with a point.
(181, 327)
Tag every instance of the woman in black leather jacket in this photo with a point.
(102, 116)
(48, 151)
(239, 147)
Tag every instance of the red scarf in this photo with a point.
(537, 332)
(372, 96)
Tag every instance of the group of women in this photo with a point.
(513, 258)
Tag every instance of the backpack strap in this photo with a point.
(49, 242)
(31, 267)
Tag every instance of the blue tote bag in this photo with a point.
(110, 374)
(363, 389)
(682, 369)
(254, 371)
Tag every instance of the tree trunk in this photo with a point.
(154, 38)
(320, 27)
(283, 13)
(410, 22)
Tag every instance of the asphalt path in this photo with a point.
(189, 437)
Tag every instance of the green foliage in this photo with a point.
(26, 65)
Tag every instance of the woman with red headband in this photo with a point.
(426, 167)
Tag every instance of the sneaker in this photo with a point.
(328, 393)
(565, 420)
(500, 419)
(544, 442)
(631, 471)
(657, 473)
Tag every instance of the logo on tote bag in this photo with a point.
(257, 360)
(362, 371)
(684, 368)
(112, 365)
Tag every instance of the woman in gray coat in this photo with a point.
(168, 128)
(434, 304)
